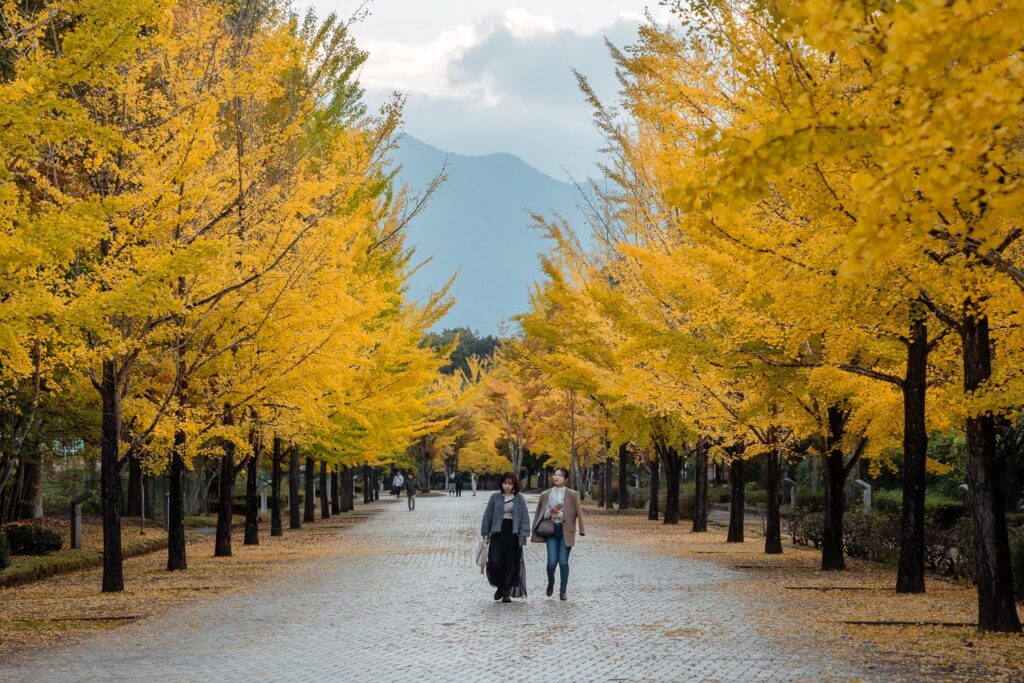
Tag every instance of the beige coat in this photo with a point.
(572, 515)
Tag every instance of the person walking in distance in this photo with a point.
(507, 523)
(561, 506)
(458, 484)
(472, 481)
(451, 483)
(396, 484)
(410, 490)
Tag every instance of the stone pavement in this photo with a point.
(419, 610)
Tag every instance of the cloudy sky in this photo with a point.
(487, 76)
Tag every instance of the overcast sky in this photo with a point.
(486, 76)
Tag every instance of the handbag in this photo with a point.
(545, 528)
(481, 554)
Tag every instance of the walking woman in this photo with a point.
(561, 505)
(410, 490)
(507, 523)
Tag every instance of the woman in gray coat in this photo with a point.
(507, 523)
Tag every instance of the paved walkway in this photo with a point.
(420, 611)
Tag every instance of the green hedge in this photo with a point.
(29, 539)
(942, 511)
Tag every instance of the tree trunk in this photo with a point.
(134, 502)
(700, 501)
(737, 495)
(295, 514)
(325, 503)
(997, 610)
(222, 546)
(32, 494)
(832, 557)
(110, 494)
(652, 507)
(623, 486)
(773, 485)
(602, 482)
(609, 500)
(1011, 447)
(347, 497)
(176, 509)
(910, 572)
(672, 462)
(310, 501)
(367, 493)
(335, 493)
(276, 527)
(252, 498)
(375, 476)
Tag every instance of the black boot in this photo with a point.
(506, 598)
(551, 587)
(497, 594)
(561, 596)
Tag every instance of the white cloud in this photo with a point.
(500, 78)
(522, 24)
(420, 67)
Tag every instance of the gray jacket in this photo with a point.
(495, 512)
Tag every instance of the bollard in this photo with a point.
(76, 519)
(792, 492)
(263, 497)
(866, 487)
(76, 526)
(167, 511)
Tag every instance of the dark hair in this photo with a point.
(510, 476)
(564, 471)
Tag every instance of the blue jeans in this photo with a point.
(558, 554)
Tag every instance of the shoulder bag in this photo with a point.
(545, 528)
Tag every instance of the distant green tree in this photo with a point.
(470, 344)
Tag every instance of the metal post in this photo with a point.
(167, 510)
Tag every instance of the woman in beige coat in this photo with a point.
(562, 506)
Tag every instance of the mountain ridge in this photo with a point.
(478, 223)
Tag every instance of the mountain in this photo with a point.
(477, 224)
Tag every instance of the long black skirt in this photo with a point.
(506, 570)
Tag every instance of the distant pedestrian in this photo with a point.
(507, 523)
(561, 505)
(472, 481)
(410, 490)
(396, 484)
(451, 483)
(458, 484)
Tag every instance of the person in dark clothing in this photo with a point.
(458, 484)
(506, 522)
(410, 490)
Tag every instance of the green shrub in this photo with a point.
(940, 510)
(810, 500)
(29, 539)
(874, 536)
(889, 502)
(943, 511)
(756, 498)
(719, 494)
(5, 552)
(687, 501)
(805, 527)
